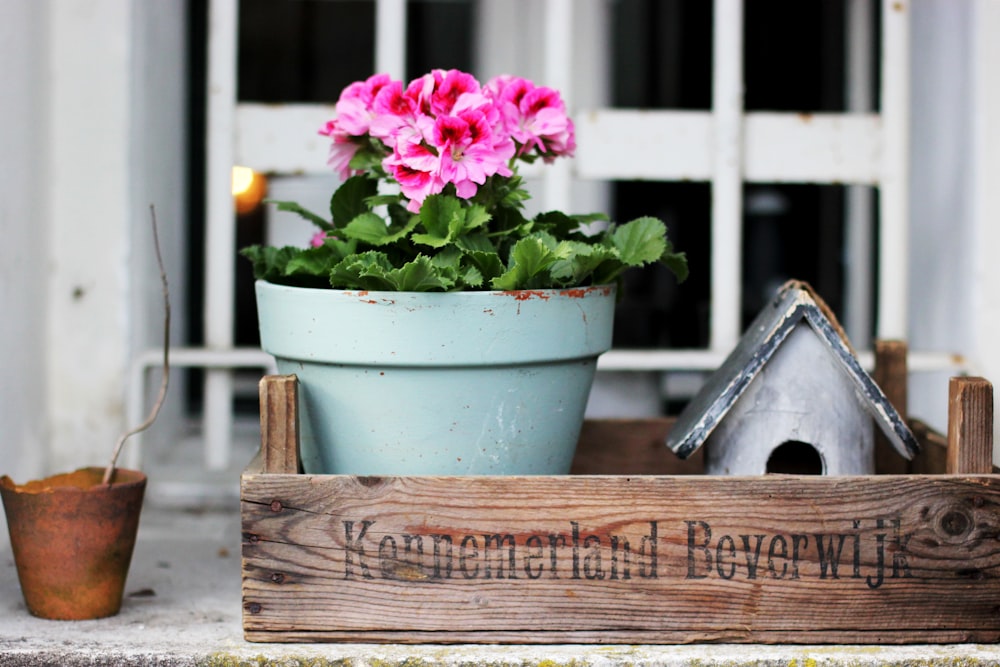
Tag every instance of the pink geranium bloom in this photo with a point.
(534, 116)
(452, 87)
(445, 128)
(416, 169)
(468, 152)
(342, 149)
(354, 108)
(318, 239)
(395, 113)
(545, 123)
(437, 92)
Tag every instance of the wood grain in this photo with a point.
(279, 423)
(891, 374)
(970, 425)
(631, 548)
(631, 447)
(763, 559)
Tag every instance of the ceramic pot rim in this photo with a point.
(409, 329)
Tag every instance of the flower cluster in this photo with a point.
(431, 199)
(444, 128)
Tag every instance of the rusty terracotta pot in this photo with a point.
(72, 538)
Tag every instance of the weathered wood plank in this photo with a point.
(279, 423)
(970, 425)
(613, 558)
(891, 374)
(933, 456)
(631, 447)
(693, 636)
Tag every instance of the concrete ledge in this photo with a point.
(182, 607)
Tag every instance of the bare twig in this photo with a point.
(110, 470)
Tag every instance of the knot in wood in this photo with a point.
(955, 523)
(276, 506)
(369, 481)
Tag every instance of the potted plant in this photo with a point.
(433, 327)
(72, 534)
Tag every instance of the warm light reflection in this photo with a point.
(249, 189)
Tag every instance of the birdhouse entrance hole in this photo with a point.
(795, 458)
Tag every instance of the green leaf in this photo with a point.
(446, 218)
(469, 276)
(487, 263)
(562, 226)
(293, 207)
(319, 260)
(676, 262)
(530, 259)
(420, 275)
(475, 242)
(640, 241)
(269, 262)
(350, 199)
(438, 216)
(311, 261)
(465, 271)
(454, 265)
(272, 264)
(372, 270)
(475, 217)
(370, 228)
(367, 270)
(581, 261)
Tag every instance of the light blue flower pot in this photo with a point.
(462, 383)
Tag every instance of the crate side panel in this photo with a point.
(622, 557)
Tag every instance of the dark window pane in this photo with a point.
(303, 51)
(654, 310)
(439, 36)
(795, 55)
(792, 232)
(662, 54)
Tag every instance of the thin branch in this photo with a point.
(110, 470)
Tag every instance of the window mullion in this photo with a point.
(390, 37)
(893, 205)
(727, 174)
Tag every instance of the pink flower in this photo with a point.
(394, 113)
(342, 150)
(416, 166)
(444, 128)
(534, 116)
(468, 151)
(318, 239)
(355, 107)
(437, 92)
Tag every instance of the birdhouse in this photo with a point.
(791, 397)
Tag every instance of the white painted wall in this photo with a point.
(24, 266)
(157, 135)
(90, 131)
(954, 199)
(88, 191)
(984, 155)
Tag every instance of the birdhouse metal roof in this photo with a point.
(794, 304)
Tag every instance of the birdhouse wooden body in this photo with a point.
(791, 397)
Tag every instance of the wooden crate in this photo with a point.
(651, 553)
